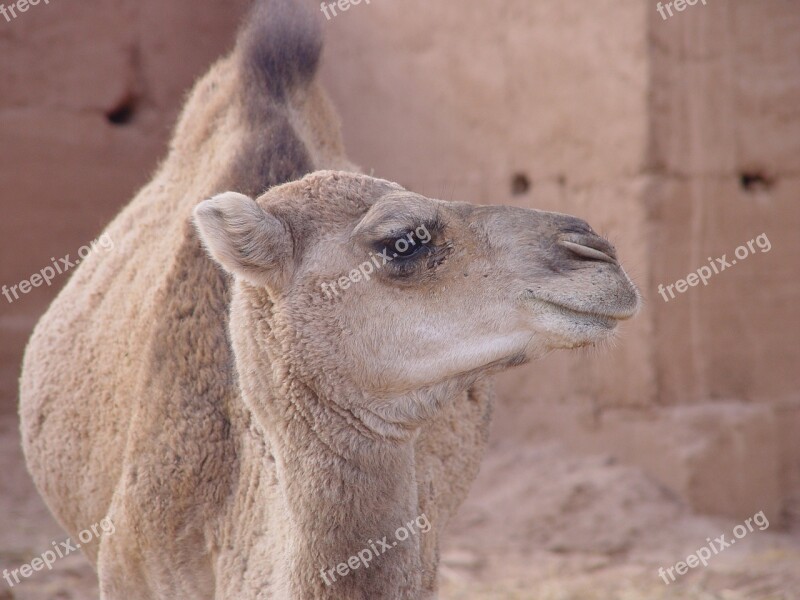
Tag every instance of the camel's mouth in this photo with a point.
(606, 321)
(601, 317)
(565, 326)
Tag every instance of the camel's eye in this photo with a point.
(407, 245)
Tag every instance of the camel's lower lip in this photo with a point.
(603, 320)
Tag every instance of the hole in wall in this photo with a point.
(520, 184)
(755, 181)
(124, 112)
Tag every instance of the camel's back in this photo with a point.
(131, 363)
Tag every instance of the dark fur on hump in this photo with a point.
(277, 50)
(280, 46)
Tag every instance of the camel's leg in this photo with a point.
(134, 564)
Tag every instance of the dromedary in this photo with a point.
(252, 430)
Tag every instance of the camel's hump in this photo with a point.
(280, 45)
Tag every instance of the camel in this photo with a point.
(250, 434)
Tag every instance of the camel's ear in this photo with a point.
(245, 239)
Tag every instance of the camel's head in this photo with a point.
(399, 292)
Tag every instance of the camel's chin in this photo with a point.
(580, 335)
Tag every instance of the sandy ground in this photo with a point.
(539, 525)
(547, 526)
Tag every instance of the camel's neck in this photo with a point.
(347, 494)
(343, 509)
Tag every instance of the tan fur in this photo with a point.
(244, 436)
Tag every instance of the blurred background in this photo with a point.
(677, 137)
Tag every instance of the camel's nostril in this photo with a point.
(598, 250)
